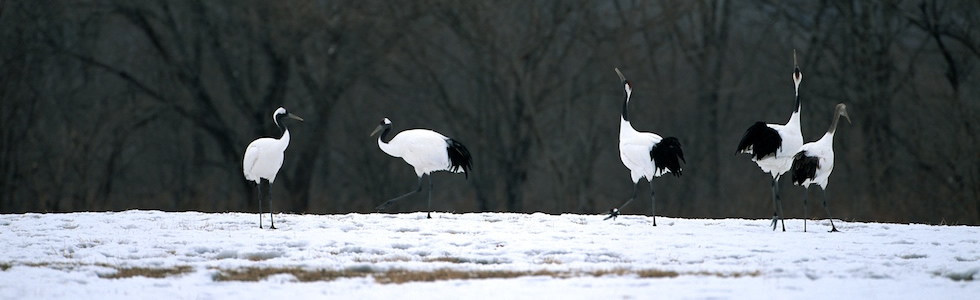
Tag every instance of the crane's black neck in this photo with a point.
(797, 77)
(280, 122)
(626, 101)
(384, 134)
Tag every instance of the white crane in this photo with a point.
(263, 157)
(426, 150)
(646, 154)
(814, 163)
(772, 146)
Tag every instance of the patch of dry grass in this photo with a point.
(119, 274)
(398, 276)
(389, 276)
(146, 272)
(303, 275)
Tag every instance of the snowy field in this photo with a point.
(160, 255)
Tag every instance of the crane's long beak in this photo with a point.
(796, 68)
(621, 77)
(292, 116)
(846, 117)
(376, 130)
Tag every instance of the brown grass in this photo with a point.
(390, 276)
(397, 276)
(120, 272)
(256, 274)
(147, 272)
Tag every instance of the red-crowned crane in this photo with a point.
(772, 146)
(263, 158)
(814, 163)
(646, 154)
(426, 150)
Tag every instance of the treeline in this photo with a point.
(117, 104)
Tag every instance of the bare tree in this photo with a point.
(110, 104)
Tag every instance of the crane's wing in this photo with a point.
(760, 140)
(665, 155)
(252, 154)
(804, 167)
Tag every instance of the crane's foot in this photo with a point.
(775, 219)
(428, 215)
(833, 229)
(613, 213)
(272, 227)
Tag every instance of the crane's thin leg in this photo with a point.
(258, 188)
(782, 219)
(271, 221)
(429, 213)
(832, 227)
(775, 216)
(653, 203)
(777, 205)
(393, 200)
(805, 214)
(615, 211)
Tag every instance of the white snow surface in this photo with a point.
(84, 255)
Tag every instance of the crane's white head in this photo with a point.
(797, 75)
(281, 112)
(385, 124)
(842, 111)
(626, 83)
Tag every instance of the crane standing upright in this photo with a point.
(814, 163)
(263, 158)
(772, 146)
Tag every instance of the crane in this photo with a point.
(427, 151)
(646, 154)
(263, 158)
(772, 146)
(814, 163)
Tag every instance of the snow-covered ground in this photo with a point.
(194, 255)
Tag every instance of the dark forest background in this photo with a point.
(120, 104)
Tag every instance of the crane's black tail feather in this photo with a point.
(667, 154)
(760, 140)
(459, 157)
(804, 167)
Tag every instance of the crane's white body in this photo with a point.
(264, 157)
(792, 140)
(823, 150)
(427, 151)
(634, 151)
(424, 149)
